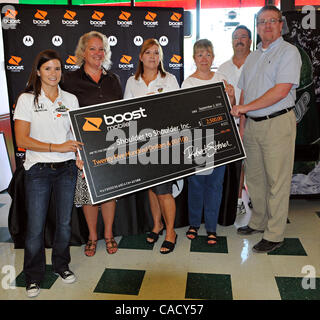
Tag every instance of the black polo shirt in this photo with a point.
(88, 91)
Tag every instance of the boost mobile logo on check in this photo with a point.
(175, 62)
(124, 19)
(97, 19)
(175, 20)
(150, 20)
(41, 20)
(125, 63)
(14, 64)
(69, 20)
(128, 116)
(92, 124)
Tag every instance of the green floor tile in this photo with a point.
(5, 235)
(291, 247)
(208, 286)
(137, 242)
(199, 244)
(120, 281)
(291, 288)
(47, 282)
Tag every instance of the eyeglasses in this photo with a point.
(241, 37)
(265, 21)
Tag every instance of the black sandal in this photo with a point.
(154, 236)
(192, 231)
(211, 236)
(168, 245)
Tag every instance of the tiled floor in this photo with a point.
(227, 271)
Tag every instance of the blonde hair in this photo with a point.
(202, 44)
(145, 46)
(82, 45)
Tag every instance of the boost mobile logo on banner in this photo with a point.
(150, 20)
(69, 20)
(71, 63)
(14, 64)
(41, 20)
(92, 124)
(123, 20)
(175, 20)
(175, 62)
(125, 63)
(97, 19)
(10, 20)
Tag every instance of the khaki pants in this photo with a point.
(269, 146)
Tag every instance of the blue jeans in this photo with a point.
(205, 194)
(39, 183)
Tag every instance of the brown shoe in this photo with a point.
(111, 245)
(90, 248)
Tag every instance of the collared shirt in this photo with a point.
(138, 88)
(194, 82)
(90, 92)
(49, 123)
(279, 63)
(232, 73)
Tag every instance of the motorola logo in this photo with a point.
(28, 41)
(138, 40)
(112, 41)
(163, 41)
(57, 41)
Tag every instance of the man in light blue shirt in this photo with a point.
(268, 126)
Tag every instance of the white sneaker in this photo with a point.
(241, 209)
(33, 290)
(67, 276)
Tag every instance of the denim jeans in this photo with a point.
(39, 183)
(205, 194)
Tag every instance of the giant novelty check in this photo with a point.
(134, 144)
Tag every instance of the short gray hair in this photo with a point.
(202, 44)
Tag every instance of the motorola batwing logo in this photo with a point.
(41, 20)
(14, 64)
(28, 41)
(97, 19)
(11, 14)
(70, 15)
(175, 58)
(125, 15)
(40, 14)
(69, 19)
(175, 20)
(163, 41)
(138, 41)
(112, 41)
(125, 59)
(92, 124)
(97, 15)
(150, 16)
(124, 19)
(57, 41)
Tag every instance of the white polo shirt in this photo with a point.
(194, 82)
(138, 88)
(232, 73)
(49, 123)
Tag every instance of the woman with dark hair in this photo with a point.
(42, 127)
(93, 83)
(151, 78)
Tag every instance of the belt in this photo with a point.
(54, 165)
(272, 115)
